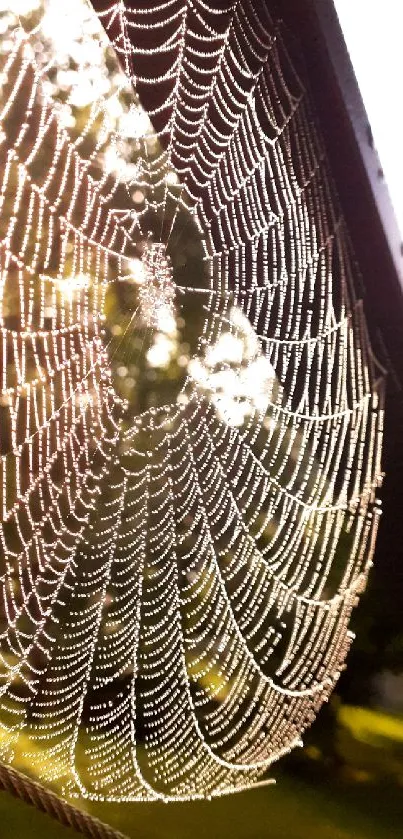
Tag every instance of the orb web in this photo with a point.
(191, 413)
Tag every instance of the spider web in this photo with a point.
(178, 573)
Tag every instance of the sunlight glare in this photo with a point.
(373, 34)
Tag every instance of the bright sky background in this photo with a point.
(373, 30)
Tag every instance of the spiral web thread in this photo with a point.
(177, 590)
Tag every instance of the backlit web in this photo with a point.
(190, 409)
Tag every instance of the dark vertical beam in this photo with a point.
(354, 164)
(355, 167)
